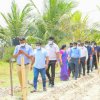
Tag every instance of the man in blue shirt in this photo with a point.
(40, 65)
(26, 51)
(74, 60)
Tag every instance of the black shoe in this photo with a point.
(33, 91)
(52, 85)
(83, 74)
(44, 89)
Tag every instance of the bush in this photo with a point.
(8, 52)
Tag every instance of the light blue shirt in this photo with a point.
(27, 49)
(40, 57)
(75, 52)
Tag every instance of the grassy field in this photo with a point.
(5, 77)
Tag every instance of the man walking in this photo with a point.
(53, 53)
(26, 51)
(83, 58)
(40, 65)
(75, 59)
(70, 67)
(89, 61)
(95, 57)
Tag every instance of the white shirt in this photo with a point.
(52, 50)
(84, 52)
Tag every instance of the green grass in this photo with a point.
(5, 77)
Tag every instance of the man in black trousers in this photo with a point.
(53, 53)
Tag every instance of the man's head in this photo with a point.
(79, 43)
(75, 44)
(22, 41)
(86, 43)
(82, 44)
(51, 40)
(38, 45)
(71, 45)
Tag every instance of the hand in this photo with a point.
(21, 51)
(90, 57)
(31, 67)
(46, 66)
(79, 61)
(85, 62)
(61, 63)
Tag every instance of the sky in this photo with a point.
(87, 7)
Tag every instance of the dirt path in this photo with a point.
(85, 88)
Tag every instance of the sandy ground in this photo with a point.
(85, 88)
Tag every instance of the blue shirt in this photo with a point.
(27, 49)
(74, 52)
(40, 57)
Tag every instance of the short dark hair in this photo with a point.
(75, 43)
(86, 42)
(21, 38)
(71, 43)
(51, 38)
(82, 44)
(38, 43)
(63, 46)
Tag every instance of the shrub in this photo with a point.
(8, 52)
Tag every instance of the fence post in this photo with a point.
(11, 78)
(24, 86)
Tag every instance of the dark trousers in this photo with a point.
(88, 65)
(51, 76)
(74, 67)
(94, 62)
(82, 65)
(98, 56)
(72, 70)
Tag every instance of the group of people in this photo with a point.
(72, 60)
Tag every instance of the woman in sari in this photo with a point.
(64, 73)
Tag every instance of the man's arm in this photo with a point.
(32, 62)
(79, 56)
(47, 62)
(27, 55)
(16, 52)
(86, 52)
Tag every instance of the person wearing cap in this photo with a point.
(26, 51)
(53, 53)
(75, 59)
(40, 65)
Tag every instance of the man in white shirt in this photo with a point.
(53, 53)
(83, 58)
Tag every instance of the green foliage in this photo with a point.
(17, 21)
(8, 52)
(57, 20)
(47, 24)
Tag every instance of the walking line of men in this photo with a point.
(73, 61)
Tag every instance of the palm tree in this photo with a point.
(48, 22)
(17, 21)
(74, 26)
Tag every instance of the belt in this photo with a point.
(24, 64)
